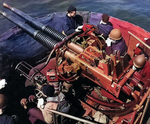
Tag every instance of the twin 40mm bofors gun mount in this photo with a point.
(83, 55)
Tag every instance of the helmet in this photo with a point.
(3, 101)
(115, 34)
(139, 61)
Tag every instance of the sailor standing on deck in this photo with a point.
(53, 101)
(71, 23)
(49, 101)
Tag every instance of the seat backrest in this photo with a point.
(119, 66)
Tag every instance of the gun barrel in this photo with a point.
(33, 22)
(42, 38)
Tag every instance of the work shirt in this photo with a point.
(105, 29)
(120, 45)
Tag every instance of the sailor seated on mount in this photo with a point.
(115, 41)
(72, 22)
(104, 26)
(142, 74)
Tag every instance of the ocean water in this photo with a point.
(133, 11)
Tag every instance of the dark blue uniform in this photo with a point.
(5, 119)
(70, 24)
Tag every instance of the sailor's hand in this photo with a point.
(108, 42)
(40, 103)
(79, 29)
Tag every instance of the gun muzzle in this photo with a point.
(33, 22)
(42, 38)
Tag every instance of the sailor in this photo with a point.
(71, 21)
(49, 101)
(115, 41)
(105, 26)
(143, 70)
(4, 119)
(53, 101)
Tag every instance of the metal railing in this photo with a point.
(71, 117)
